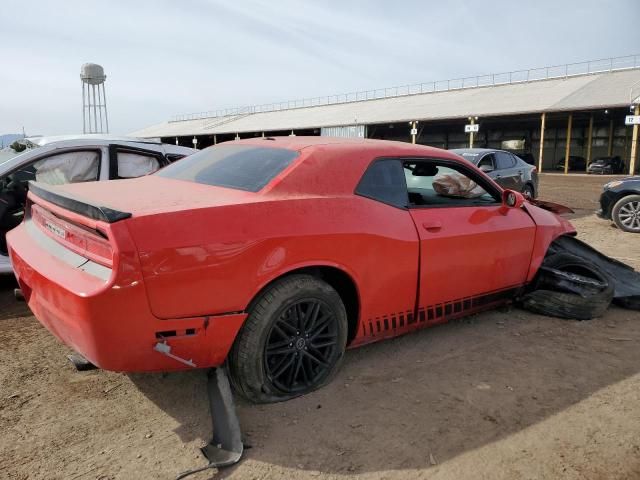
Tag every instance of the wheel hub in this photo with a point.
(300, 349)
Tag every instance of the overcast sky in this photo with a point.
(166, 57)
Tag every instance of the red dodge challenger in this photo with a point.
(273, 255)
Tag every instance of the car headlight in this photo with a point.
(613, 184)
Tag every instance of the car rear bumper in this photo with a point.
(108, 321)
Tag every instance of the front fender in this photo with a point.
(549, 227)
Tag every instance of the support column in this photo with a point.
(215, 139)
(567, 150)
(634, 145)
(540, 155)
(413, 129)
(471, 121)
(589, 140)
(610, 149)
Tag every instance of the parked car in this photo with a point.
(576, 163)
(70, 159)
(620, 202)
(527, 157)
(273, 255)
(606, 165)
(507, 169)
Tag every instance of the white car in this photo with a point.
(71, 159)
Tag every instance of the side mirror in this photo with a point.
(512, 199)
(486, 168)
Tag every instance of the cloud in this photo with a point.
(168, 57)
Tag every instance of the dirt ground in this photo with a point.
(500, 395)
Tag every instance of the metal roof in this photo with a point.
(579, 92)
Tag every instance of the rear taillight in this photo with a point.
(89, 243)
(534, 170)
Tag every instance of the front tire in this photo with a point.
(527, 191)
(292, 342)
(626, 213)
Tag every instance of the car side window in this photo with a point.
(173, 157)
(504, 160)
(135, 164)
(487, 162)
(67, 167)
(384, 181)
(431, 183)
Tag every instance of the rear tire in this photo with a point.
(569, 287)
(292, 342)
(626, 213)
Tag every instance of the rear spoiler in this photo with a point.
(68, 202)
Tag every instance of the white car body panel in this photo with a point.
(45, 146)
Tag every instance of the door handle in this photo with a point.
(432, 225)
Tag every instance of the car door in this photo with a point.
(56, 167)
(473, 250)
(508, 175)
(489, 166)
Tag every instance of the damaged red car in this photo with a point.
(273, 255)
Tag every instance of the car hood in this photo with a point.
(153, 194)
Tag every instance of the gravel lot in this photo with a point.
(500, 395)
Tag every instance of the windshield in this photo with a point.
(243, 167)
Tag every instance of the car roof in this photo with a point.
(93, 137)
(479, 151)
(299, 143)
(334, 166)
(46, 145)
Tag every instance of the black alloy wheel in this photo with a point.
(301, 345)
(292, 342)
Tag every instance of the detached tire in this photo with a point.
(569, 287)
(292, 342)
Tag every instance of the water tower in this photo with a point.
(94, 101)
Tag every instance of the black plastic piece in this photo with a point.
(81, 363)
(68, 202)
(225, 448)
(625, 280)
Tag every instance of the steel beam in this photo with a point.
(589, 141)
(567, 150)
(540, 156)
(634, 145)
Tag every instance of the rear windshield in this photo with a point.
(244, 167)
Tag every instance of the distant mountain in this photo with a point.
(8, 138)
